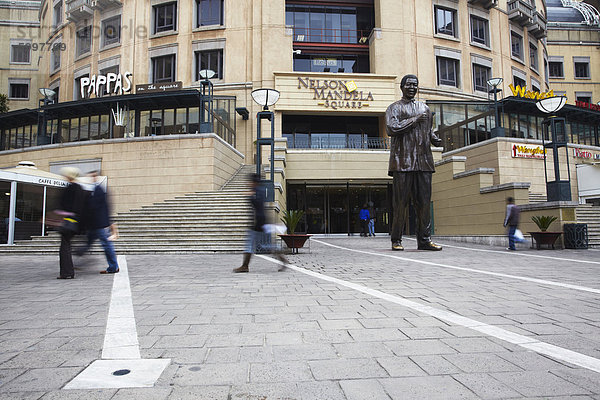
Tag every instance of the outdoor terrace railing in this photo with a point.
(340, 143)
(323, 35)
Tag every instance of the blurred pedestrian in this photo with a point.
(72, 204)
(256, 234)
(99, 226)
(364, 217)
(511, 220)
(371, 219)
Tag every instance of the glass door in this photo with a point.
(337, 197)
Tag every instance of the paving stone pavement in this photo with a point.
(291, 336)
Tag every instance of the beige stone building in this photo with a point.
(573, 41)
(20, 52)
(337, 65)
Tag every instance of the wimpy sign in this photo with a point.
(119, 83)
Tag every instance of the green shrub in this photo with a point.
(291, 218)
(543, 221)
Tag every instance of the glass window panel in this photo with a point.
(168, 122)
(94, 128)
(445, 21)
(210, 12)
(145, 124)
(194, 120)
(317, 25)
(165, 17)
(83, 43)
(111, 31)
(481, 75)
(84, 128)
(180, 121)
(20, 53)
(104, 129)
(479, 30)
(582, 70)
(74, 130)
(516, 42)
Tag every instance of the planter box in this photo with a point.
(295, 241)
(544, 238)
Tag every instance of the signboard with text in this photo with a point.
(158, 87)
(520, 150)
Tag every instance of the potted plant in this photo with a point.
(543, 237)
(292, 239)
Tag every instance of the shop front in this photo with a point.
(26, 196)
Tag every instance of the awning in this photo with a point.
(520, 105)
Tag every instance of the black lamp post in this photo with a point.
(497, 131)
(266, 98)
(554, 128)
(206, 103)
(48, 95)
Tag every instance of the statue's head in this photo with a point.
(409, 85)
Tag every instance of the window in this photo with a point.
(556, 69)
(165, 17)
(110, 70)
(519, 82)
(18, 91)
(448, 70)
(58, 14)
(445, 21)
(481, 74)
(210, 12)
(20, 53)
(358, 63)
(479, 30)
(111, 31)
(516, 45)
(55, 57)
(535, 87)
(84, 41)
(582, 69)
(533, 56)
(163, 69)
(77, 87)
(211, 59)
(585, 97)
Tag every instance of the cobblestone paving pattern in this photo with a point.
(286, 335)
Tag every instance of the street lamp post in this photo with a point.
(48, 96)
(266, 98)
(554, 128)
(497, 130)
(206, 103)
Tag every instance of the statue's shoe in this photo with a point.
(430, 246)
(397, 246)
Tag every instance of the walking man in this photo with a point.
(99, 225)
(513, 215)
(409, 125)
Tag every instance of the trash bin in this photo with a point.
(576, 236)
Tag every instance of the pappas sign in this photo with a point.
(527, 151)
(113, 83)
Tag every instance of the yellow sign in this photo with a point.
(529, 94)
(527, 151)
(351, 86)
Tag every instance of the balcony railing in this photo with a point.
(538, 27)
(339, 143)
(103, 4)
(322, 35)
(78, 10)
(484, 3)
(520, 11)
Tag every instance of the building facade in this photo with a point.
(337, 65)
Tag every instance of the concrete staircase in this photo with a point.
(536, 198)
(201, 222)
(590, 215)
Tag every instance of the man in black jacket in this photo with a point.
(99, 225)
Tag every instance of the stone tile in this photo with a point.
(175, 342)
(385, 323)
(538, 383)
(305, 352)
(346, 369)
(313, 337)
(430, 387)
(211, 374)
(283, 371)
(474, 345)
(320, 391)
(435, 365)
(241, 339)
(429, 332)
(376, 334)
(283, 338)
(361, 389)
(22, 396)
(42, 379)
(223, 355)
(154, 393)
(6, 375)
(185, 356)
(581, 377)
(486, 387)
(419, 347)
(339, 324)
(95, 394)
(481, 362)
(199, 393)
(530, 361)
(257, 354)
(400, 366)
(283, 391)
(362, 350)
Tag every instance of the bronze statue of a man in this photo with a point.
(410, 127)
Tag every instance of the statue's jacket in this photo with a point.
(411, 140)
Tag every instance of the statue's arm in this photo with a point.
(434, 139)
(396, 125)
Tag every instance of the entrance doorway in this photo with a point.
(334, 208)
